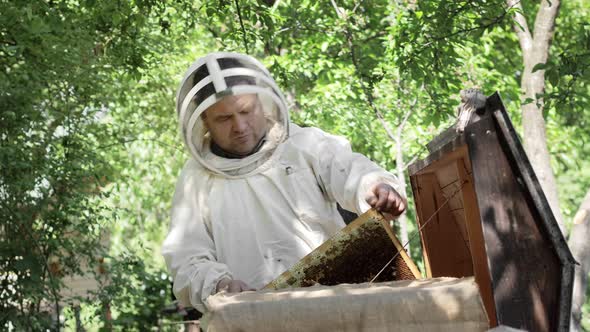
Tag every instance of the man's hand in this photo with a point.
(232, 286)
(385, 199)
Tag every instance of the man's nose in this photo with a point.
(240, 124)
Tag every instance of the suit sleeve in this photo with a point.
(347, 176)
(189, 248)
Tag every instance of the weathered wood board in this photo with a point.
(497, 227)
(453, 240)
(355, 254)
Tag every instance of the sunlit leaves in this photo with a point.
(88, 130)
(60, 61)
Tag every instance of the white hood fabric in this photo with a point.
(253, 218)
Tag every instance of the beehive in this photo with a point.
(425, 305)
(355, 254)
(488, 218)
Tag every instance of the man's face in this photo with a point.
(236, 123)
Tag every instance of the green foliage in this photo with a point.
(428, 42)
(135, 293)
(59, 63)
(89, 143)
(568, 72)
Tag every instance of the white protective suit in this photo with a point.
(253, 218)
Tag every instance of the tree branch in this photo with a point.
(415, 157)
(409, 112)
(377, 35)
(385, 125)
(432, 40)
(237, 3)
(544, 28)
(338, 12)
(366, 89)
(8, 42)
(521, 28)
(216, 36)
(122, 142)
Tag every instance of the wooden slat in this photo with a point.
(446, 250)
(540, 205)
(525, 271)
(447, 152)
(423, 209)
(449, 182)
(477, 244)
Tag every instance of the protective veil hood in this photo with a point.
(206, 82)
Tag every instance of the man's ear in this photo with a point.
(204, 119)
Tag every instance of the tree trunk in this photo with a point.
(580, 247)
(535, 50)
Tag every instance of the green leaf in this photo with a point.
(553, 77)
(527, 101)
(539, 66)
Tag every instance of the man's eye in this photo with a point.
(223, 118)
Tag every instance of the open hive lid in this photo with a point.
(482, 213)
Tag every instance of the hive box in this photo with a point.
(488, 218)
(426, 305)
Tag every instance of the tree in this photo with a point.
(535, 48)
(580, 246)
(59, 61)
(89, 139)
(333, 57)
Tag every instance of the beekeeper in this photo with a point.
(259, 192)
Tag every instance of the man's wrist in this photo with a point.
(223, 283)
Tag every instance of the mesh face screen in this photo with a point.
(204, 93)
(224, 63)
(231, 81)
(240, 80)
(200, 74)
(227, 63)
